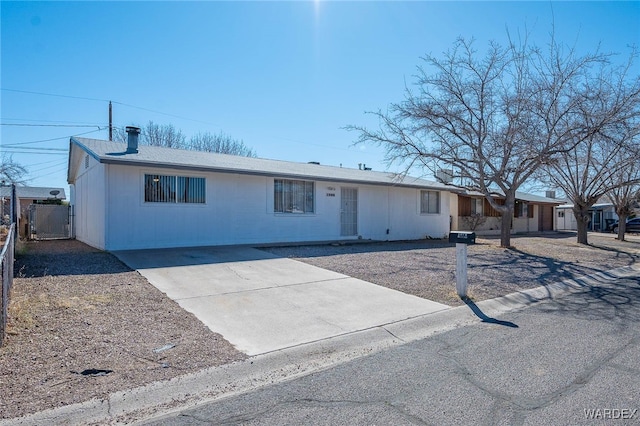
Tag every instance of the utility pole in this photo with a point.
(110, 122)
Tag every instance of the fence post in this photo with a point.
(14, 220)
(6, 264)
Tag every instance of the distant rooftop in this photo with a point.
(152, 156)
(33, 192)
(521, 196)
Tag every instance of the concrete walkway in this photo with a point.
(261, 303)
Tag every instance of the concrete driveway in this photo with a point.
(262, 303)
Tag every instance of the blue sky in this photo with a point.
(284, 77)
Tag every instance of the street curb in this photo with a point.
(163, 398)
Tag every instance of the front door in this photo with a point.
(596, 224)
(545, 220)
(348, 212)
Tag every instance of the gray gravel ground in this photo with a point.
(75, 309)
(427, 268)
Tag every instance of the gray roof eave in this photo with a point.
(283, 174)
(326, 176)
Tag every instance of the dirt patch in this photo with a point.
(427, 268)
(83, 325)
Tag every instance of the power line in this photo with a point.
(50, 173)
(31, 152)
(45, 121)
(42, 149)
(106, 100)
(55, 95)
(57, 164)
(49, 140)
(163, 113)
(143, 109)
(47, 125)
(45, 162)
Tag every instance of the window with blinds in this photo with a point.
(523, 209)
(174, 189)
(429, 202)
(476, 206)
(293, 196)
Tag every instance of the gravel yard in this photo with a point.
(83, 325)
(427, 268)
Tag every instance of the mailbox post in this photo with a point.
(462, 239)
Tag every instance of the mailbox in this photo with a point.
(462, 237)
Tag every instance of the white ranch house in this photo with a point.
(532, 213)
(600, 215)
(130, 197)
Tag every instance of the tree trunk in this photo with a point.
(622, 226)
(582, 218)
(506, 220)
(505, 230)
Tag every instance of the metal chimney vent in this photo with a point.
(132, 139)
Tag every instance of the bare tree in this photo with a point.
(220, 143)
(166, 135)
(494, 120)
(625, 200)
(474, 221)
(590, 171)
(12, 172)
(152, 134)
(625, 191)
(119, 134)
(607, 159)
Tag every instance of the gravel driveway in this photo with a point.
(427, 268)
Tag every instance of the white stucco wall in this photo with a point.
(453, 212)
(564, 219)
(88, 199)
(239, 210)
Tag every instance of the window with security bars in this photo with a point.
(429, 202)
(174, 189)
(293, 196)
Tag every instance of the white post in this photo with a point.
(461, 269)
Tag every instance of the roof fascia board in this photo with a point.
(73, 141)
(521, 198)
(87, 150)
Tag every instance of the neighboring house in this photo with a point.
(28, 195)
(600, 215)
(532, 213)
(130, 197)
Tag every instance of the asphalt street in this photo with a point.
(570, 361)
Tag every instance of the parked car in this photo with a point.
(633, 225)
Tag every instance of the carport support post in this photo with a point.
(461, 269)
